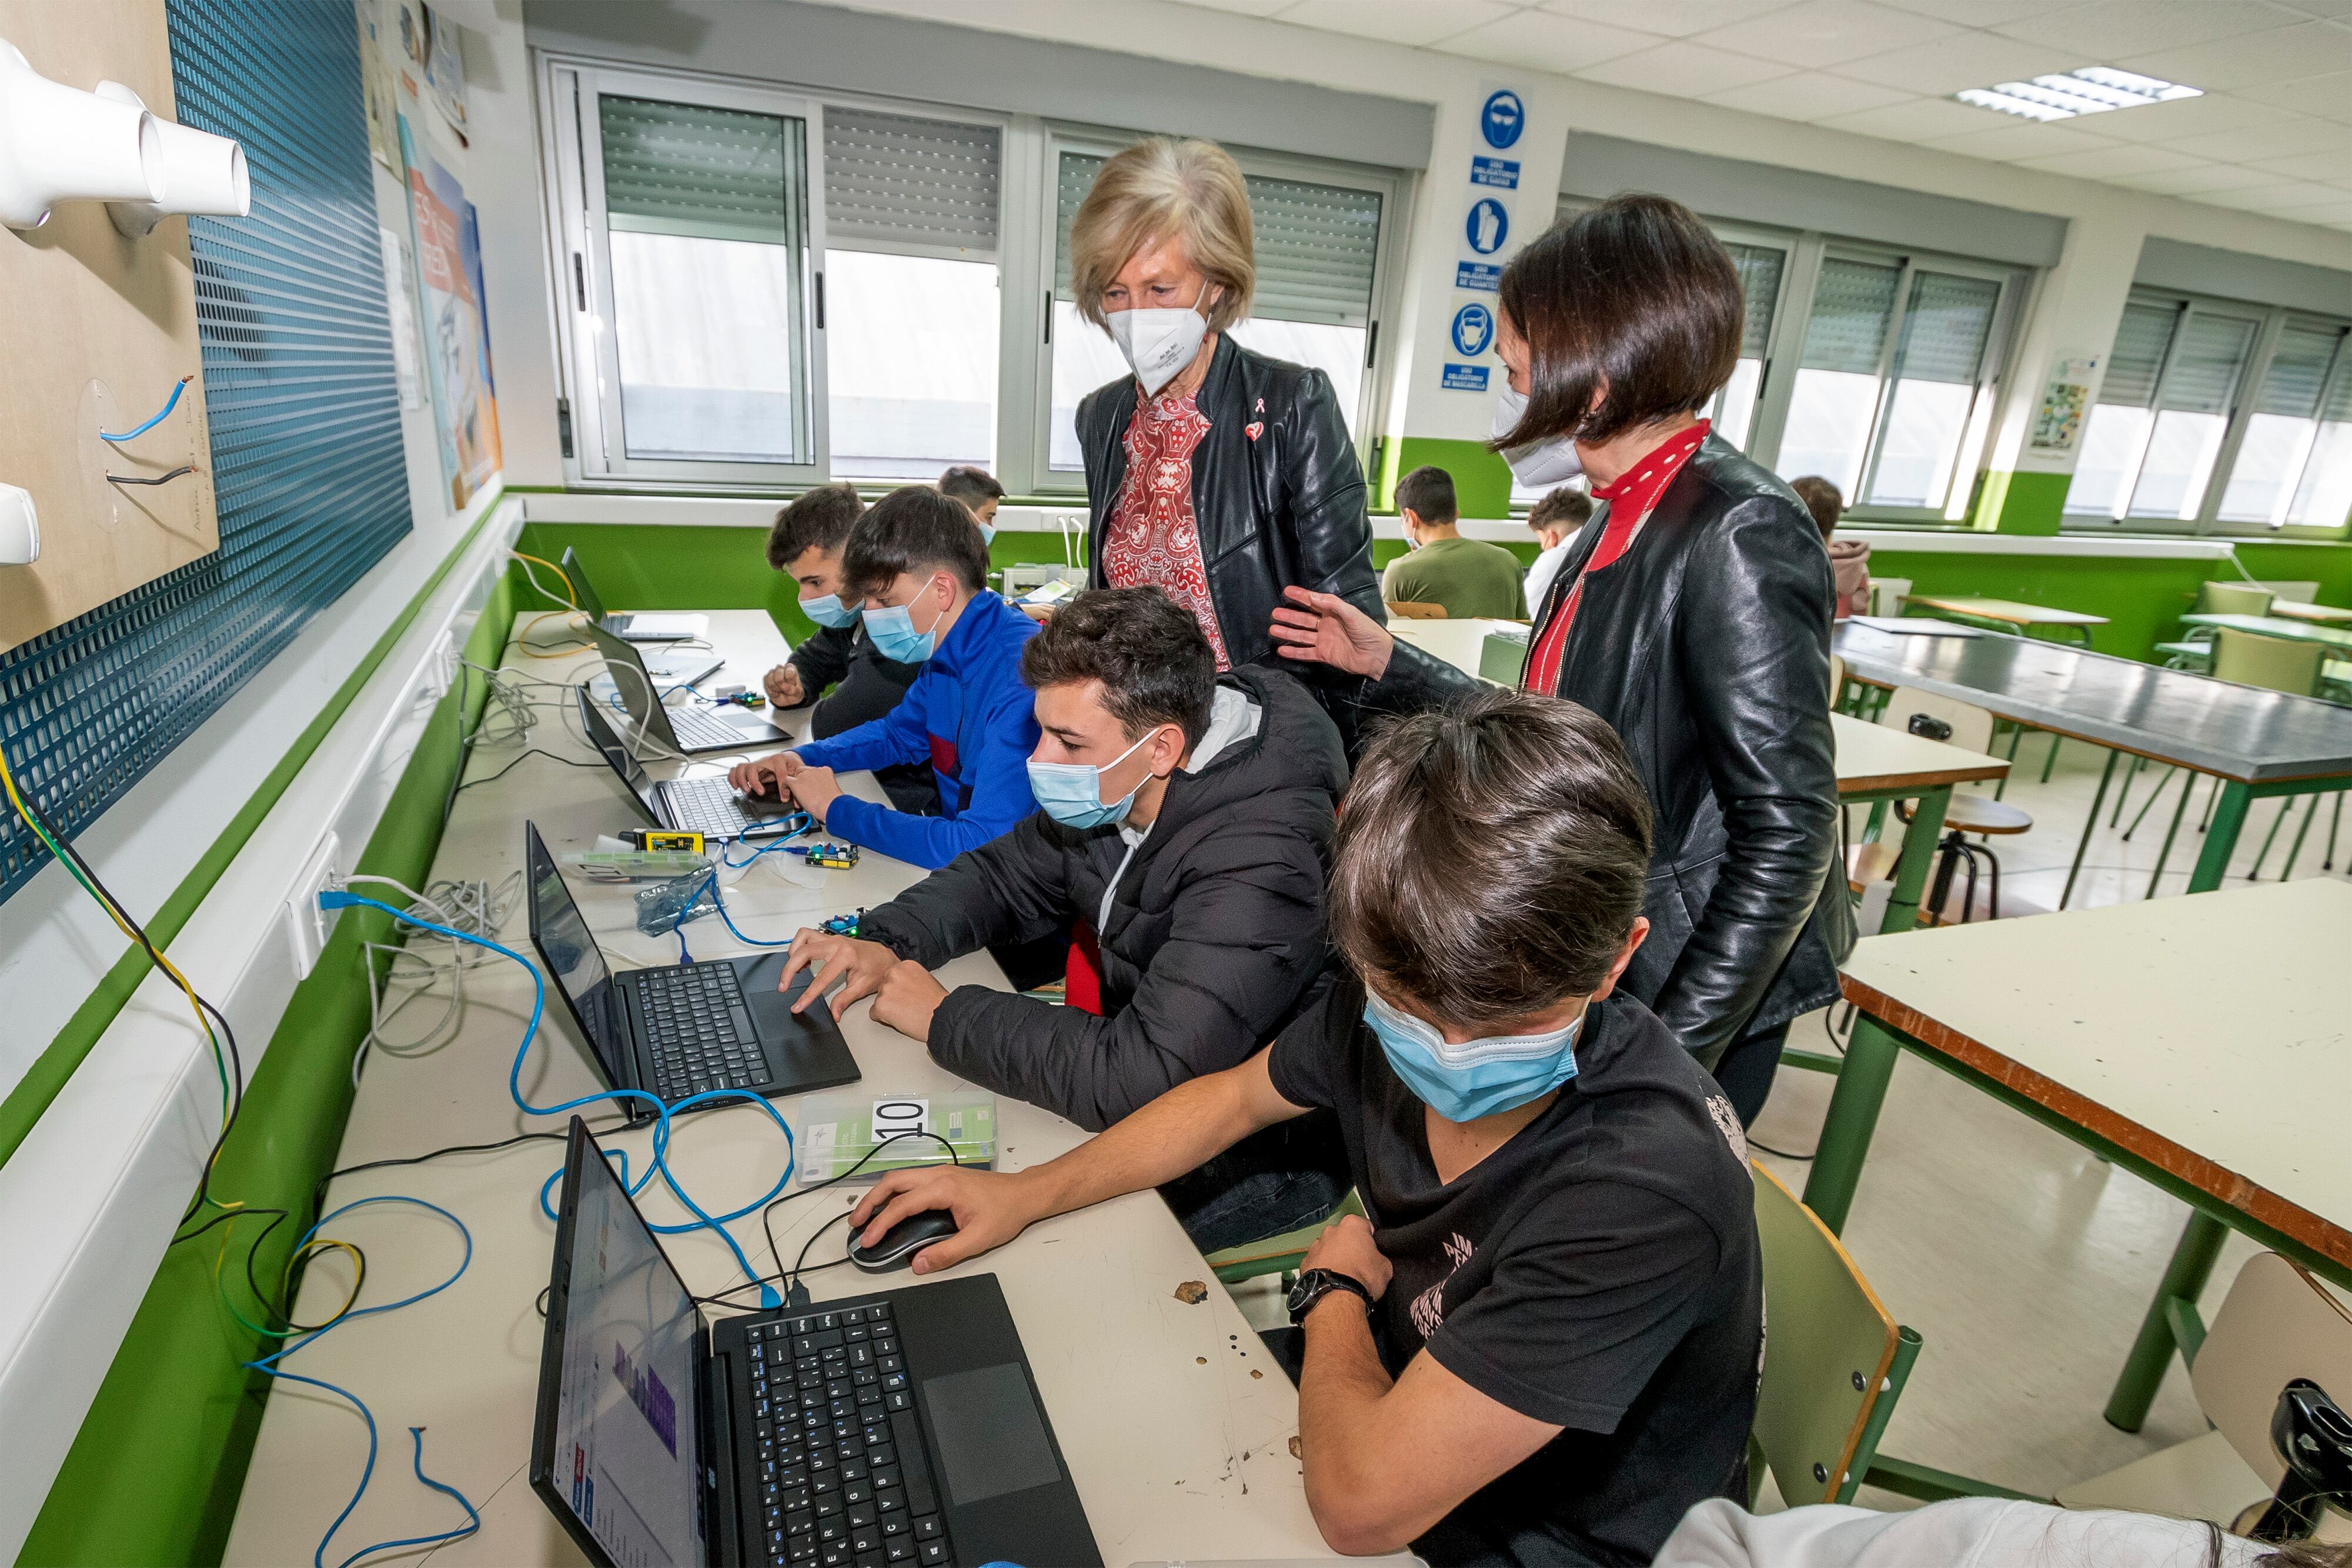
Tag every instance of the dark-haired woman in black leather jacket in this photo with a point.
(1693, 614)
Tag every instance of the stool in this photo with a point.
(1969, 814)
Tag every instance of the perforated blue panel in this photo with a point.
(305, 416)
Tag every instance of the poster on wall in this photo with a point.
(379, 88)
(400, 290)
(2065, 403)
(457, 337)
(1490, 197)
(430, 53)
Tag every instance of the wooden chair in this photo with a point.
(1412, 611)
(1965, 724)
(1835, 1360)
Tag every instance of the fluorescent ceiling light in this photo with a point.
(2094, 89)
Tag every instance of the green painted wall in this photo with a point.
(154, 1475)
(1482, 481)
(2012, 503)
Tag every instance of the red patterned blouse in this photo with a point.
(1152, 537)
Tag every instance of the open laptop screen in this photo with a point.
(624, 761)
(583, 590)
(573, 959)
(625, 1418)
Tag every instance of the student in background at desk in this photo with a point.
(1543, 1347)
(1557, 519)
(977, 489)
(1184, 831)
(1469, 577)
(1849, 559)
(917, 563)
(806, 544)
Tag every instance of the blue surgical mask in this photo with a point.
(988, 533)
(892, 628)
(1479, 1077)
(1071, 792)
(829, 610)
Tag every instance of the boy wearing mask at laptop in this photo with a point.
(1543, 1346)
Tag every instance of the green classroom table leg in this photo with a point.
(1852, 1117)
(2151, 1353)
(1917, 854)
(2090, 825)
(2221, 838)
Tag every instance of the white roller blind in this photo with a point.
(1945, 328)
(895, 180)
(2298, 369)
(2133, 364)
(1759, 281)
(688, 169)
(2206, 365)
(1853, 303)
(1316, 244)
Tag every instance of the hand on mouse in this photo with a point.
(782, 686)
(990, 1208)
(762, 775)
(862, 964)
(814, 790)
(908, 998)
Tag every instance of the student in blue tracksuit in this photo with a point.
(919, 563)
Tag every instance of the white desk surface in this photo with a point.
(1175, 1425)
(1873, 758)
(1460, 643)
(2210, 1035)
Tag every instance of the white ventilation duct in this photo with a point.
(202, 174)
(58, 144)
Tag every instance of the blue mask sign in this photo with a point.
(1488, 226)
(1474, 328)
(1502, 118)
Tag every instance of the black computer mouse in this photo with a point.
(899, 1244)
(765, 789)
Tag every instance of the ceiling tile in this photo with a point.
(2330, 168)
(2188, 117)
(2273, 198)
(1976, 13)
(2021, 140)
(2195, 181)
(1675, 18)
(1818, 33)
(1685, 70)
(2330, 94)
(1918, 121)
(1546, 42)
(1396, 21)
(2106, 162)
(2096, 30)
(1968, 60)
(1809, 95)
(2284, 139)
(2249, 59)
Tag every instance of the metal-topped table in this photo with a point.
(2259, 744)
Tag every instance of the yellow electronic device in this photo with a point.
(664, 839)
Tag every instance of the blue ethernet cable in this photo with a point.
(659, 1163)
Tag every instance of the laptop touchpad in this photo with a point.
(991, 1440)
(772, 1010)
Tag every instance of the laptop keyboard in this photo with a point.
(697, 727)
(843, 1479)
(697, 1032)
(709, 806)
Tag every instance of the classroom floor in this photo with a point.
(2024, 1262)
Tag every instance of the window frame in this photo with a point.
(2270, 324)
(1394, 188)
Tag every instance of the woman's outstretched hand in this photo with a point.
(1326, 629)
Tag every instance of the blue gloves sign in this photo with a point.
(1502, 118)
(1488, 226)
(1474, 328)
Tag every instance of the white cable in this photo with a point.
(475, 906)
(566, 600)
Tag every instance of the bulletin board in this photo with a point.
(98, 332)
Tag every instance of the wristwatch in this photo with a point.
(1317, 1283)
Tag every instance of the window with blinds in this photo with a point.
(711, 174)
(2138, 357)
(2193, 400)
(1852, 304)
(1947, 323)
(2284, 429)
(1759, 267)
(1834, 401)
(896, 182)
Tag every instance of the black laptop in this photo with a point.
(709, 805)
(645, 626)
(684, 1028)
(901, 1426)
(685, 730)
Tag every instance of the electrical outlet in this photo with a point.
(441, 665)
(307, 927)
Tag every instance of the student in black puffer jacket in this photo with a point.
(1185, 838)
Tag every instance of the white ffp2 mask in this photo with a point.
(1540, 464)
(1158, 342)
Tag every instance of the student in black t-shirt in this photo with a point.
(1544, 1347)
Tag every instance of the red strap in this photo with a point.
(1082, 986)
(1631, 498)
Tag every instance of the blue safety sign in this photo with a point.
(1489, 224)
(1483, 276)
(1502, 173)
(1474, 328)
(1502, 118)
(1465, 378)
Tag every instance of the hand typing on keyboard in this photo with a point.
(785, 777)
